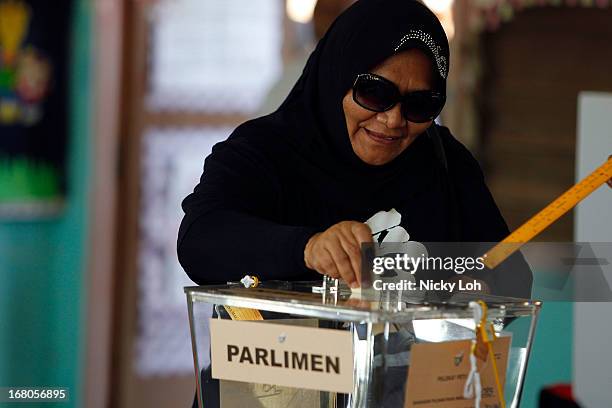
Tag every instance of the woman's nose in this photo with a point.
(393, 118)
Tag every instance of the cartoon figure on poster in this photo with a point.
(33, 49)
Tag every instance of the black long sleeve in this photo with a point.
(229, 229)
(216, 246)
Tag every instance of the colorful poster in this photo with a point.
(33, 107)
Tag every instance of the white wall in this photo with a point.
(593, 222)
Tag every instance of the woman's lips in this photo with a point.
(382, 138)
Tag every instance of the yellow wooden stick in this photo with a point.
(548, 215)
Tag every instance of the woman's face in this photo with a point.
(379, 137)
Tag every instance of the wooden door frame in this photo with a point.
(126, 228)
(107, 43)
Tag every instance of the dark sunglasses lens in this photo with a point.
(421, 107)
(373, 94)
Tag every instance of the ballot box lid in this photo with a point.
(298, 298)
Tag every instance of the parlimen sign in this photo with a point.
(280, 354)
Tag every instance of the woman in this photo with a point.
(286, 195)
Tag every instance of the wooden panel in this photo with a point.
(107, 76)
(535, 66)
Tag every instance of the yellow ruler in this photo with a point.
(548, 215)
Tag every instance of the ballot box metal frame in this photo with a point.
(299, 299)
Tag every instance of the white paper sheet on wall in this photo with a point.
(172, 166)
(214, 56)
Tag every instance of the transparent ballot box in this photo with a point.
(308, 344)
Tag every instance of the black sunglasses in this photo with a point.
(378, 94)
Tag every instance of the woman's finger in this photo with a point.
(362, 233)
(326, 264)
(352, 248)
(342, 262)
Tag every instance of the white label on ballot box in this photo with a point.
(267, 353)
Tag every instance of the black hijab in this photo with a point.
(308, 132)
(369, 32)
(311, 121)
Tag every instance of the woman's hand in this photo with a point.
(336, 252)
